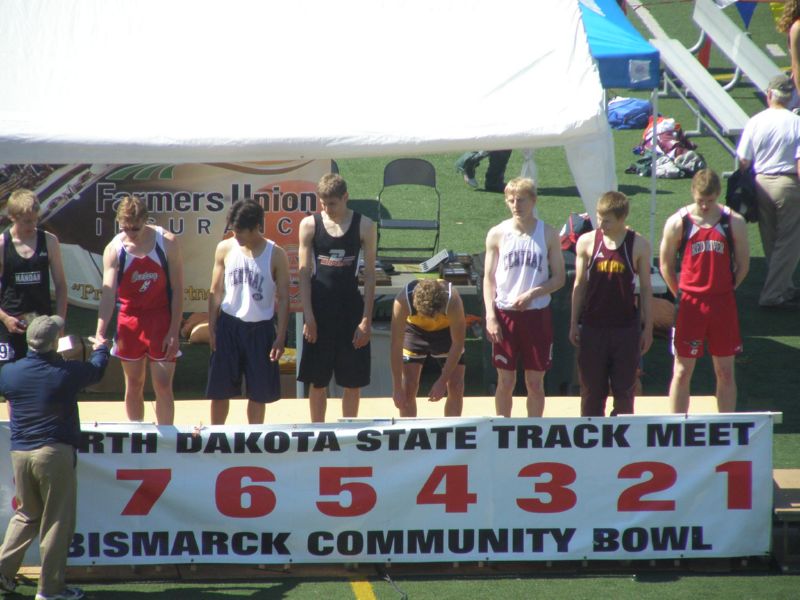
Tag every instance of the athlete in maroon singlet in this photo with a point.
(607, 326)
(715, 260)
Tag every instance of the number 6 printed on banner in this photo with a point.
(229, 492)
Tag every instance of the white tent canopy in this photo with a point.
(135, 81)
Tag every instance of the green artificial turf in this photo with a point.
(767, 372)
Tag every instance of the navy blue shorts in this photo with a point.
(243, 349)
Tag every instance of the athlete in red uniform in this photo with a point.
(143, 272)
(715, 259)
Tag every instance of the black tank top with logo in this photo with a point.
(25, 281)
(336, 261)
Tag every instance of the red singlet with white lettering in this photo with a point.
(706, 263)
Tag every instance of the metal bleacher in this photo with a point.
(734, 43)
(717, 113)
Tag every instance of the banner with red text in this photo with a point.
(423, 491)
(78, 204)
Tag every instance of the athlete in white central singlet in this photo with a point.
(524, 265)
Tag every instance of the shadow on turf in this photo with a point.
(206, 591)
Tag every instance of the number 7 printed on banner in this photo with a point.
(154, 482)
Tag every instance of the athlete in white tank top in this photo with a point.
(249, 287)
(521, 265)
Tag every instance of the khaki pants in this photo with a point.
(46, 491)
(779, 225)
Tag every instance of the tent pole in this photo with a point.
(653, 178)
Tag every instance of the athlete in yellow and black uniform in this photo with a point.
(428, 321)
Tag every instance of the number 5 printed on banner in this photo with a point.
(362, 495)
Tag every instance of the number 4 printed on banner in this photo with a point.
(456, 496)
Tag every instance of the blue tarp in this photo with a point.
(625, 59)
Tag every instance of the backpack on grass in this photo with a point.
(672, 140)
(577, 224)
(629, 113)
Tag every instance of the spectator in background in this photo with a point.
(495, 179)
(711, 241)
(610, 331)
(29, 257)
(42, 391)
(249, 292)
(524, 265)
(770, 143)
(428, 321)
(338, 321)
(143, 273)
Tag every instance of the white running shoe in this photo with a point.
(69, 593)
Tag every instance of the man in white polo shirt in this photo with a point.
(770, 143)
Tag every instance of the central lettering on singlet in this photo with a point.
(242, 276)
(528, 258)
(708, 246)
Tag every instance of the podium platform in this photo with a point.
(292, 410)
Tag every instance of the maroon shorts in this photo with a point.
(141, 335)
(527, 337)
(713, 319)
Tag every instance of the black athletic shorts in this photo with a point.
(333, 353)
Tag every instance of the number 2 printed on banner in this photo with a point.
(663, 477)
